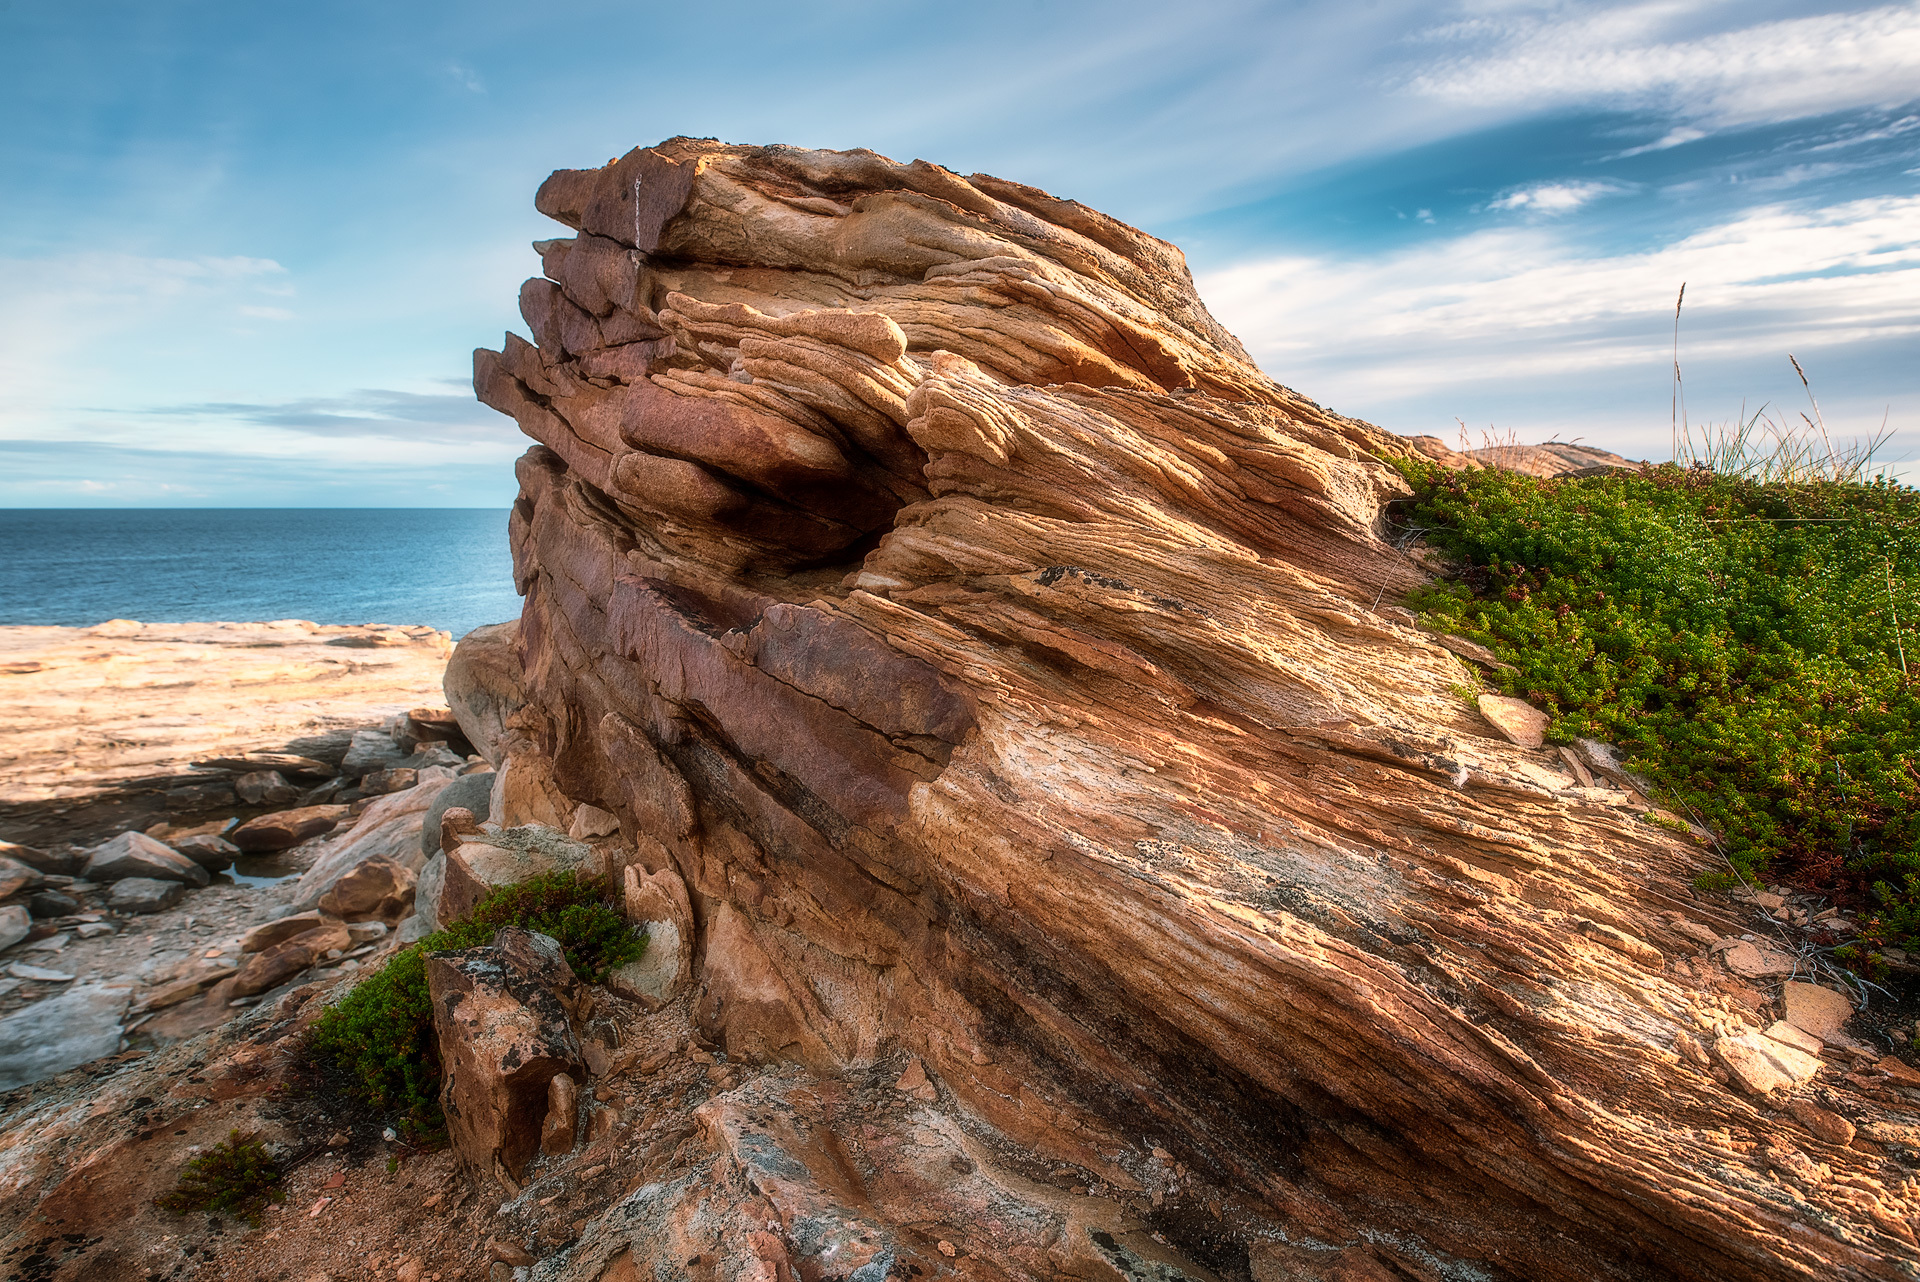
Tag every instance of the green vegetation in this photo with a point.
(1742, 639)
(235, 1178)
(380, 1035)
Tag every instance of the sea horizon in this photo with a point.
(80, 566)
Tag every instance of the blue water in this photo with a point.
(76, 567)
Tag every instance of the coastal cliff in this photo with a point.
(917, 570)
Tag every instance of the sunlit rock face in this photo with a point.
(913, 565)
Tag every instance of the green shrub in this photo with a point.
(379, 1037)
(235, 1178)
(1744, 642)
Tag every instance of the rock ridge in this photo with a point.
(914, 568)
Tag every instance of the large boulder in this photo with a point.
(61, 1032)
(503, 1027)
(470, 792)
(487, 861)
(286, 829)
(377, 889)
(1005, 662)
(134, 854)
(484, 686)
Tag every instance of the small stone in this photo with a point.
(1788, 1035)
(1697, 932)
(1518, 720)
(947, 1248)
(1831, 1127)
(38, 974)
(1768, 900)
(510, 1253)
(51, 903)
(916, 1083)
(278, 931)
(362, 932)
(15, 924)
(215, 854)
(265, 788)
(146, 894)
(590, 822)
(1816, 1010)
(557, 1133)
(51, 944)
(92, 929)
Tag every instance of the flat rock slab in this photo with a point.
(144, 895)
(1816, 1010)
(1518, 720)
(61, 1033)
(287, 828)
(1749, 962)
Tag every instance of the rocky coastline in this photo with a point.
(1058, 853)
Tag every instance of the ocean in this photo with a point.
(448, 567)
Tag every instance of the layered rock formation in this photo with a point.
(916, 568)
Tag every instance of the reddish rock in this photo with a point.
(281, 929)
(286, 829)
(503, 1032)
(17, 877)
(557, 1132)
(278, 963)
(215, 854)
(484, 686)
(998, 654)
(377, 888)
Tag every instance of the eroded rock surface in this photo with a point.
(916, 569)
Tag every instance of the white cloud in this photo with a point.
(1519, 315)
(1552, 198)
(1641, 56)
(1677, 137)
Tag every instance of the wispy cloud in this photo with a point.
(1640, 56)
(1504, 309)
(369, 412)
(1552, 198)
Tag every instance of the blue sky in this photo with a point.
(246, 250)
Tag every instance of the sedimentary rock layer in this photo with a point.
(915, 566)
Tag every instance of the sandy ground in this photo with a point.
(98, 724)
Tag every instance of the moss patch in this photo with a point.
(1743, 642)
(379, 1037)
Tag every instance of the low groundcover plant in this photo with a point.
(1743, 640)
(379, 1037)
